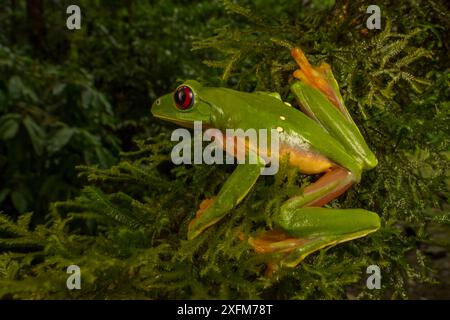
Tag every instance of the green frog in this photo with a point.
(323, 139)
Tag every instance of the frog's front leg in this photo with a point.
(233, 191)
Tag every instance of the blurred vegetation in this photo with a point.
(82, 98)
(78, 97)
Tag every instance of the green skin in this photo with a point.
(327, 131)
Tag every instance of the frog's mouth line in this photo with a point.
(187, 124)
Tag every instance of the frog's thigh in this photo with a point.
(316, 228)
(328, 187)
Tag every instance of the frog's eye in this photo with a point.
(184, 97)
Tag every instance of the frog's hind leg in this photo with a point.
(303, 227)
(331, 185)
(321, 78)
(319, 97)
(311, 229)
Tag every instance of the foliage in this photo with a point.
(51, 118)
(80, 96)
(127, 228)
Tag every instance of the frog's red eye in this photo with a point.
(184, 97)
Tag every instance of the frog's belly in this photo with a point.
(308, 162)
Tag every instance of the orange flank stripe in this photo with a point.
(308, 162)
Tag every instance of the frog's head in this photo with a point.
(183, 106)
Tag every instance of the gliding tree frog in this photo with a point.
(323, 139)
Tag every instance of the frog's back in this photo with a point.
(298, 132)
(263, 111)
(259, 110)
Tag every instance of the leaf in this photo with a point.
(60, 139)
(105, 103)
(49, 185)
(15, 87)
(8, 129)
(104, 156)
(91, 139)
(19, 201)
(86, 98)
(37, 135)
(18, 89)
(58, 88)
